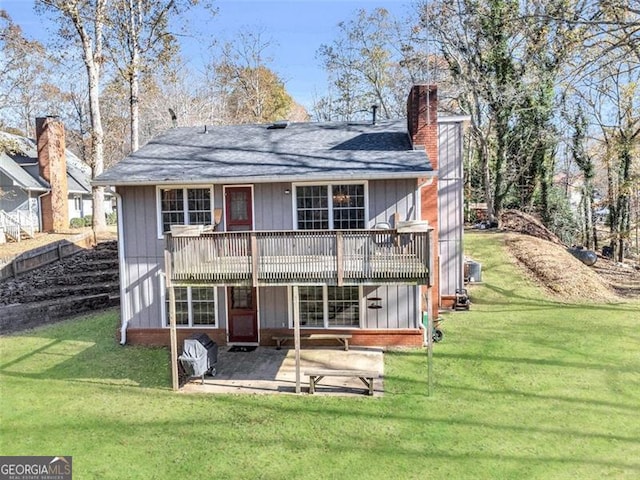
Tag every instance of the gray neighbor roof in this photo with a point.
(22, 166)
(265, 153)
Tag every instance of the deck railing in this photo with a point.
(339, 257)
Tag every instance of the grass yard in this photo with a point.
(525, 388)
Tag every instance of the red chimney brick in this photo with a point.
(422, 120)
(52, 161)
(422, 126)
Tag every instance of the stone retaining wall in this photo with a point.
(24, 316)
(38, 257)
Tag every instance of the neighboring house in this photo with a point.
(349, 227)
(33, 195)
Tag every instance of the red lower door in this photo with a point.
(242, 315)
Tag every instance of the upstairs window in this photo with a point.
(330, 207)
(184, 206)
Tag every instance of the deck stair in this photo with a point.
(16, 226)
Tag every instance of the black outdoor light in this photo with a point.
(374, 303)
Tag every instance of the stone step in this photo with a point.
(15, 318)
(28, 294)
(90, 277)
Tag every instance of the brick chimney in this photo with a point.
(422, 120)
(52, 162)
(422, 126)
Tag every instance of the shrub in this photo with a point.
(76, 222)
(88, 220)
(112, 218)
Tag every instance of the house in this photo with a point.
(256, 229)
(42, 184)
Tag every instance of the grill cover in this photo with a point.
(199, 355)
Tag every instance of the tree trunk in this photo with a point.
(93, 69)
(134, 104)
(134, 74)
(501, 160)
(93, 59)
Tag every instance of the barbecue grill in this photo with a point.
(199, 356)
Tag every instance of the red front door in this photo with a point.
(242, 314)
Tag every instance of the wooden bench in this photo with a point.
(340, 337)
(365, 376)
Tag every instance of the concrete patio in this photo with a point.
(268, 370)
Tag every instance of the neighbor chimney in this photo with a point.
(422, 120)
(52, 163)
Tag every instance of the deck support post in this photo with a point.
(340, 258)
(254, 259)
(172, 322)
(429, 328)
(296, 334)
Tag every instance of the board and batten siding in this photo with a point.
(144, 261)
(272, 206)
(387, 197)
(273, 308)
(451, 207)
(143, 304)
(399, 307)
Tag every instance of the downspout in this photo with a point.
(425, 182)
(40, 210)
(121, 266)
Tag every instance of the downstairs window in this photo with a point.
(329, 307)
(195, 307)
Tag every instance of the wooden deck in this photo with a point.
(286, 258)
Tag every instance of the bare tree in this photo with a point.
(373, 60)
(249, 89)
(507, 56)
(606, 81)
(25, 81)
(83, 22)
(139, 38)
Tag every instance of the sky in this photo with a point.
(295, 28)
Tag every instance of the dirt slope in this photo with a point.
(546, 260)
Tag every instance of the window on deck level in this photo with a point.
(324, 207)
(185, 206)
(329, 307)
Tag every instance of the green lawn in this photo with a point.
(525, 388)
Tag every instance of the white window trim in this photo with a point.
(165, 313)
(325, 308)
(185, 199)
(294, 195)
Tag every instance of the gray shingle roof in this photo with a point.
(20, 175)
(256, 153)
(21, 164)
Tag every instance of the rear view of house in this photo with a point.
(343, 227)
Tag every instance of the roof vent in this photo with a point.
(280, 124)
